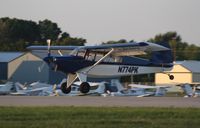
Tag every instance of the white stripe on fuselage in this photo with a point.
(104, 70)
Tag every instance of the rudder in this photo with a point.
(162, 57)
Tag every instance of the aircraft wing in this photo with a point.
(132, 45)
(145, 95)
(146, 86)
(18, 93)
(123, 49)
(141, 86)
(37, 47)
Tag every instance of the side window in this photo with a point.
(90, 56)
(80, 53)
(118, 59)
(109, 59)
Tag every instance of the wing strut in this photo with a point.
(83, 75)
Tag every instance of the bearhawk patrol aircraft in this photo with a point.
(105, 61)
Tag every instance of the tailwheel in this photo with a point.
(171, 77)
(65, 89)
(84, 87)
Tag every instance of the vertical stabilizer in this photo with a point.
(101, 88)
(187, 89)
(162, 57)
(160, 91)
(19, 86)
(116, 83)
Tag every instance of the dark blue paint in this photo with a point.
(71, 64)
(67, 64)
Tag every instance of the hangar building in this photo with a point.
(183, 71)
(24, 68)
(20, 67)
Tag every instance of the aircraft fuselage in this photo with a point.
(73, 64)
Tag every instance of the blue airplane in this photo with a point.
(104, 61)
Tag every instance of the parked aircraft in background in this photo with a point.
(191, 90)
(106, 61)
(6, 88)
(34, 89)
(96, 89)
(38, 84)
(138, 90)
(150, 90)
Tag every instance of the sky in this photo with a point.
(104, 20)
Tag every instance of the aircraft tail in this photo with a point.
(5, 89)
(101, 88)
(19, 86)
(187, 89)
(162, 57)
(116, 83)
(161, 91)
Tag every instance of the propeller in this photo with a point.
(48, 47)
(49, 54)
(49, 59)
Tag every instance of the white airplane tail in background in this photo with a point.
(101, 88)
(160, 91)
(116, 83)
(6, 88)
(157, 90)
(19, 86)
(187, 89)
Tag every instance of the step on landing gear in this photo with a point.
(84, 87)
(65, 89)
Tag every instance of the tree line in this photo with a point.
(181, 50)
(17, 34)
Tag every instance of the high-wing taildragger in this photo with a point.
(107, 61)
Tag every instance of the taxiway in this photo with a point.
(100, 101)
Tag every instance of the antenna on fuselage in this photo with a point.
(48, 47)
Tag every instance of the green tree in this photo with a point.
(49, 30)
(16, 30)
(166, 37)
(181, 50)
(71, 41)
(64, 35)
(117, 42)
(17, 34)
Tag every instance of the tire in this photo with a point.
(84, 87)
(171, 77)
(64, 88)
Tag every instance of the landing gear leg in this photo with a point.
(84, 87)
(65, 89)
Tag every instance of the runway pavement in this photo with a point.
(100, 101)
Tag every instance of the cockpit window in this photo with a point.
(96, 56)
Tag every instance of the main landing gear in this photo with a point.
(65, 89)
(84, 88)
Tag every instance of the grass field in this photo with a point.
(98, 117)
